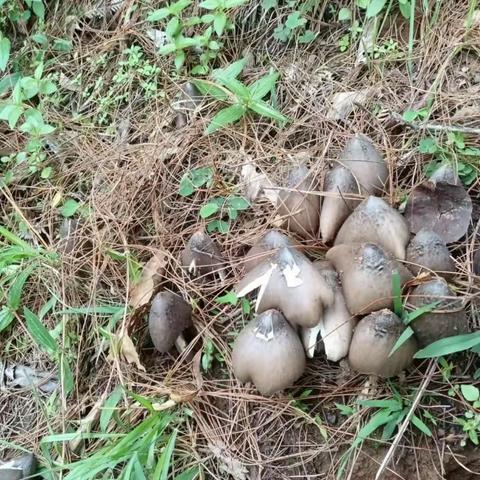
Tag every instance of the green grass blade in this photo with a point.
(163, 465)
(391, 404)
(397, 294)
(411, 316)
(380, 418)
(109, 408)
(39, 333)
(449, 345)
(421, 426)
(407, 333)
(15, 293)
(188, 474)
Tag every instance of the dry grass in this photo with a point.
(130, 183)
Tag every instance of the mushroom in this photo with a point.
(373, 339)
(377, 222)
(476, 262)
(265, 248)
(288, 282)
(336, 324)
(268, 353)
(367, 165)
(440, 205)
(169, 316)
(302, 210)
(446, 320)
(18, 468)
(366, 274)
(186, 102)
(427, 250)
(202, 256)
(339, 182)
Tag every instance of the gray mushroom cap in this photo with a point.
(427, 250)
(202, 256)
(268, 353)
(169, 316)
(336, 207)
(288, 282)
(446, 320)
(373, 339)
(366, 274)
(18, 468)
(265, 248)
(377, 222)
(302, 210)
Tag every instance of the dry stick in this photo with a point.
(438, 127)
(401, 431)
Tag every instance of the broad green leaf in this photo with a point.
(177, 7)
(238, 203)
(238, 88)
(6, 318)
(163, 465)
(225, 117)
(11, 113)
(29, 86)
(307, 37)
(208, 88)
(38, 9)
(218, 226)
(410, 115)
(209, 209)
(186, 187)
(8, 82)
(179, 59)
(263, 85)
(470, 392)
(62, 45)
(344, 14)
(295, 20)
(201, 176)
(376, 421)
(4, 52)
(375, 7)
(446, 346)
(229, 298)
(172, 27)
(15, 292)
(404, 9)
(108, 408)
(39, 38)
(391, 404)
(418, 312)
(190, 474)
(428, 145)
(232, 213)
(39, 333)
(406, 334)
(266, 110)
(232, 71)
(167, 49)
(186, 42)
(397, 294)
(156, 15)
(346, 410)
(219, 23)
(210, 4)
(421, 425)
(69, 208)
(46, 172)
(47, 87)
(234, 3)
(268, 4)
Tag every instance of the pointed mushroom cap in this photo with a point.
(428, 250)
(201, 255)
(265, 248)
(373, 339)
(169, 316)
(301, 209)
(289, 282)
(448, 318)
(268, 353)
(366, 275)
(366, 164)
(339, 182)
(377, 222)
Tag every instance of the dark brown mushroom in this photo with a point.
(366, 274)
(446, 320)
(373, 339)
(202, 256)
(169, 316)
(375, 221)
(428, 251)
(288, 282)
(301, 210)
(268, 353)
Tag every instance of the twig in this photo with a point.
(438, 127)
(401, 431)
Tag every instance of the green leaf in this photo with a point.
(225, 117)
(266, 110)
(68, 381)
(210, 4)
(191, 474)
(46, 173)
(418, 312)
(218, 226)
(163, 465)
(238, 203)
(391, 404)
(6, 318)
(238, 88)
(375, 7)
(404, 9)
(446, 346)
(232, 71)
(345, 409)
(39, 333)
(234, 3)
(406, 334)
(11, 113)
(397, 294)
(295, 20)
(209, 209)
(344, 14)
(269, 4)
(8, 82)
(177, 7)
(61, 45)
(109, 406)
(470, 392)
(179, 59)
(219, 23)
(69, 208)
(156, 15)
(421, 426)
(376, 421)
(208, 88)
(362, 3)
(410, 115)
(307, 37)
(263, 85)
(229, 298)
(47, 87)
(428, 145)
(14, 296)
(38, 9)
(172, 27)
(39, 38)
(4, 52)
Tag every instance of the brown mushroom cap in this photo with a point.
(373, 339)
(448, 318)
(268, 353)
(301, 209)
(377, 222)
(366, 164)
(201, 255)
(476, 262)
(289, 282)
(428, 250)
(366, 274)
(169, 316)
(339, 182)
(265, 248)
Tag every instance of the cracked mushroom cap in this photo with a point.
(427, 250)
(446, 320)
(365, 162)
(289, 282)
(169, 316)
(18, 468)
(339, 183)
(302, 210)
(377, 222)
(265, 248)
(373, 339)
(366, 274)
(268, 353)
(202, 256)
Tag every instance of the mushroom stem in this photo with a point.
(180, 343)
(309, 339)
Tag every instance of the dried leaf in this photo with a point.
(367, 40)
(256, 184)
(129, 352)
(153, 270)
(158, 37)
(343, 103)
(228, 463)
(21, 376)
